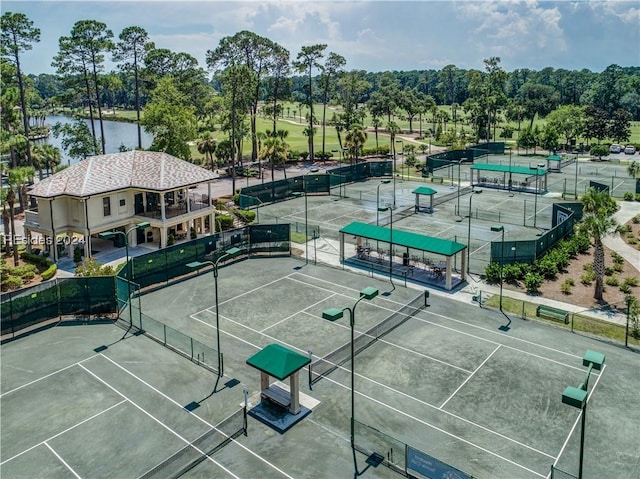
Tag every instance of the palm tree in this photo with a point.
(276, 150)
(355, 139)
(598, 207)
(206, 145)
(51, 156)
(376, 123)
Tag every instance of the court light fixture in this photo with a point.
(333, 314)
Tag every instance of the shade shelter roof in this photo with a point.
(554, 158)
(424, 190)
(521, 170)
(404, 238)
(278, 361)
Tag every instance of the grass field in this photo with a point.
(294, 120)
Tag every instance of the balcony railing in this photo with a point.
(31, 218)
(174, 210)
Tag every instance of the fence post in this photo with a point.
(573, 315)
(524, 314)
(310, 362)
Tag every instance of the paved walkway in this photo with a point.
(328, 252)
(628, 209)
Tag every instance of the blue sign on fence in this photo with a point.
(423, 466)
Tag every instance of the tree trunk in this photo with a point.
(598, 269)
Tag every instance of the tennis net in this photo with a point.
(201, 448)
(321, 367)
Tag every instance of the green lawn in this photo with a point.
(294, 121)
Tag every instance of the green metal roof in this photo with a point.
(424, 190)
(554, 158)
(521, 170)
(404, 238)
(278, 361)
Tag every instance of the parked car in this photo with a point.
(615, 148)
(629, 150)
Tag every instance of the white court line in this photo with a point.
(63, 461)
(395, 391)
(575, 424)
(63, 432)
(448, 318)
(470, 376)
(46, 376)
(294, 314)
(147, 413)
(241, 295)
(273, 466)
(398, 346)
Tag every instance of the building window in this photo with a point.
(123, 202)
(106, 206)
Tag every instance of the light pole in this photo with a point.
(578, 397)
(500, 228)
(401, 151)
(535, 200)
(231, 252)
(575, 186)
(469, 231)
(306, 217)
(111, 234)
(333, 314)
(390, 209)
(510, 174)
(382, 182)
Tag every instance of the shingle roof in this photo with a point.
(148, 170)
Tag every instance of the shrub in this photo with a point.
(566, 287)
(583, 243)
(608, 271)
(547, 267)
(628, 196)
(588, 267)
(492, 272)
(225, 221)
(637, 196)
(630, 236)
(12, 282)
(612, 281)
(588, 278)
(532, 281)
(625, 288)
(632, 241)
(618, 267)
(77, 255)
(570, 281)
(560, 257)
(631, 281)
(49, 273)
(247, 215)
(617, 258)
(636, 219)
(35, 259)
(512, 273)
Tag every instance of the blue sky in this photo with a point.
(371, 35)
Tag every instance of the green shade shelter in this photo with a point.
(554, 163)
(409, 240)
(281, 363)
(424, 191)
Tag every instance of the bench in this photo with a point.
(277, 396)
(548, 312)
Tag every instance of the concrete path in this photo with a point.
(628, 209)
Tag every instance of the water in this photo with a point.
(116, 133)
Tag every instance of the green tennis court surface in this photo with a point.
(447, 382)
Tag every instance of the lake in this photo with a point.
(116, 133)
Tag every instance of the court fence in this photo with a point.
(201, 448)
(312, 184)
(321, 367)
(89, 298)
(557, 473)
(584, 322)
(399, 456)
(526, 251)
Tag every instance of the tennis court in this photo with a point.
(447, 381)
